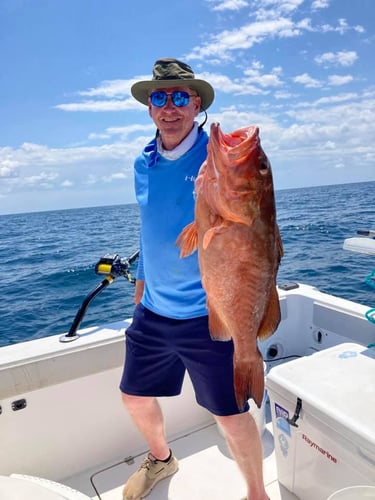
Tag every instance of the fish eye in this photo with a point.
(263, 167)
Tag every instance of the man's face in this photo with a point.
(173, 122)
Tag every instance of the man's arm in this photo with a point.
(139, 287)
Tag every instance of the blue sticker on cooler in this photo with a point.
(284, 445)
(282, 417)
(348, 354)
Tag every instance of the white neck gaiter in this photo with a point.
(181, 149)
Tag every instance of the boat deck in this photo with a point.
(206, 471)
(64, 421)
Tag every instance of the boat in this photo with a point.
(65, 434)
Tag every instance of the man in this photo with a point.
(169, 332)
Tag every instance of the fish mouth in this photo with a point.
(235, 149)
(242, 138)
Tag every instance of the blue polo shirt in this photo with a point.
(165, 193)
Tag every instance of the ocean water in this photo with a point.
(48, 258)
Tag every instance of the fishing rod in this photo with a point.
(113, 266)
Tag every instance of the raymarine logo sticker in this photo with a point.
(318, 448)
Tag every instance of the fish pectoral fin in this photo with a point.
(271, 317)
(213, 231)
(208, 235)
(188, 240)
(249, 380)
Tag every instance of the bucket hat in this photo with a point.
(167, 73)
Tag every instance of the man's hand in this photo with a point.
(139, 287)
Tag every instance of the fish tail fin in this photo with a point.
(188, 240)
(249, 381)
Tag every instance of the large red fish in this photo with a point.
(239, 250)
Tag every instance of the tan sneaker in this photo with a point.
(150, 472)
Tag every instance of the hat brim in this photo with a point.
(141, 90)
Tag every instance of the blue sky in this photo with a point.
(302, 70)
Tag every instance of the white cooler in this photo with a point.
(323, 414)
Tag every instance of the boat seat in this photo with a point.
(35, 488)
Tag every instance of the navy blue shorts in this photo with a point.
(160, 349)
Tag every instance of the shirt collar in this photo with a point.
(181, 149)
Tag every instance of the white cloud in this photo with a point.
(124, 132)
(280, 94)
(244, 37)
(254, 75)
(336, 98)
(44, 179)
(341, 28)
(6, 170)
(97, 106)
(222, 5)
(95, 136)
(67, 184)
(319, 4)
(307, 81)
(113, 95)
(340, 58)
(274, 9)
(238, 86)
(339, 79)
(115, 176)
(273, 20)
(339, 164)
(313, 138)
(111, 88)
(39, 156)
(251, 82)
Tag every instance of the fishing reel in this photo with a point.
(115, 266)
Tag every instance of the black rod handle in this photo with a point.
(82, 310)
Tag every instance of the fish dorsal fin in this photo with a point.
(188, 240)
(271, 317)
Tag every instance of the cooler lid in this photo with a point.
(336, 385)
(12, 487)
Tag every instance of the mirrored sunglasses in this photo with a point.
(180, 98)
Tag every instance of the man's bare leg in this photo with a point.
(148, 417)
(245, 445)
